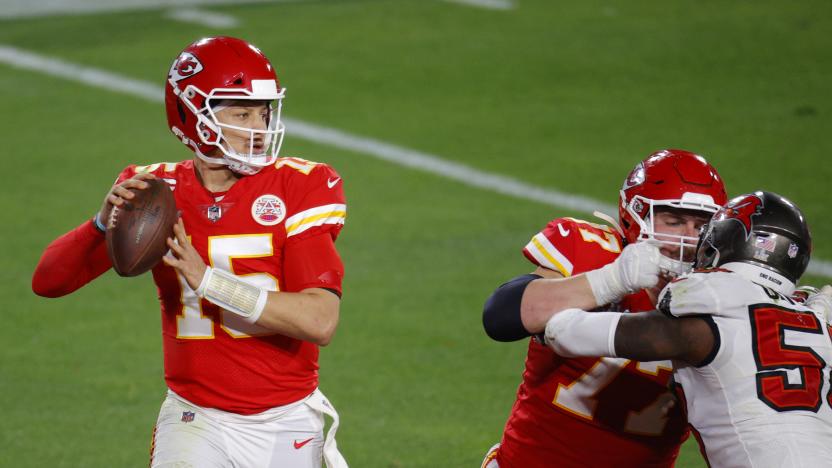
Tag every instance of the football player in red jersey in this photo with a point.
(252, 285)
(602, 412)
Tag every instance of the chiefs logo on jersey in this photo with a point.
(185, 67)
(742, 210)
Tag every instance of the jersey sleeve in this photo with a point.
(316, 204)
(75, 258)
(71, 261)
(313, 262)
(571, 246)
(80, 256)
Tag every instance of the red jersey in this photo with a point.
(275, 228)
(589, 411)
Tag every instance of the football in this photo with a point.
(138, 229)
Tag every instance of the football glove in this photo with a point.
(821, 301)
(638, 267)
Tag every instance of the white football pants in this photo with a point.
(490, 460)
(187, 435)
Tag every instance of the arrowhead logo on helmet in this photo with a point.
(636, 177)
(186, 66)
(742, 210)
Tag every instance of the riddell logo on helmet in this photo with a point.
(186, 66)
(743, 210)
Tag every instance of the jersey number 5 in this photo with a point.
(222, 251)
(769, 327)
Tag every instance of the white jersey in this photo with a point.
(763, 397)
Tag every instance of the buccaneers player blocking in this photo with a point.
(753, 362)
(252, 288)
(602, 411)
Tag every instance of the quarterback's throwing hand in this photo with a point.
(186, 259)
(120, 192)
(636, 268)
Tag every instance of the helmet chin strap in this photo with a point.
(242, 168)
(209, 159)
(236, 166)
(610, 220)
(674, 268)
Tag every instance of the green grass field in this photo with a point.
(562, 95)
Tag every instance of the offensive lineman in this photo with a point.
(241, 369)
(602, 411)
(753, 363)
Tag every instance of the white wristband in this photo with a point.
(233, 294)
(577, 333)
(200, 290)
(605, 285)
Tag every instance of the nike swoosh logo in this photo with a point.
(563, 232)
(298, 445)
(331, 182)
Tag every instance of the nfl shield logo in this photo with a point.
(792, 250)
(187, 416)
(214, 213)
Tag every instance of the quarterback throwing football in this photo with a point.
(252, 285)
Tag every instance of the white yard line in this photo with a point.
(203, 17)
(27, 8)
(442, 167)
(20, 58)
(488, 4)
(406, 157)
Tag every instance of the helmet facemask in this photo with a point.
(212, 131)
(644, 210)
(707, 254)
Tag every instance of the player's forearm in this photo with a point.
(546, 296)
(636, 268)
(309, 315)
(71, 261)
(647, 336)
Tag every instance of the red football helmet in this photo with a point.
(209, 72)
(673, 178)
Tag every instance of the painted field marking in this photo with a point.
(488, 4)
(203, 17)
(30, 8)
